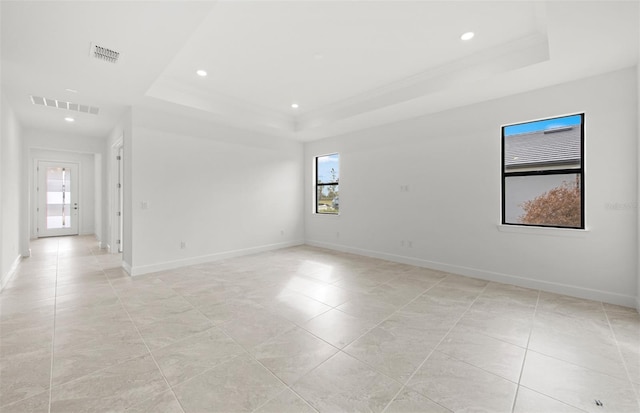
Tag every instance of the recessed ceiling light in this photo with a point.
(202, 73)
(467, 36)
(69, 119)
(294, 106)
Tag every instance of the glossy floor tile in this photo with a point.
(460, 386)
(343, 383)
(301, 329)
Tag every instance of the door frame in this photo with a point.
(116, 196)
(38, 198)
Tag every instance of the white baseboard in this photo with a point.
(169, 265)
(127, 267)
(5, 278)
(559, 288)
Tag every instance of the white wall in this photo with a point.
(10, 184)
(70, 142)
(55, 146)
(638, 199)
(451, 163)
(97, 197)
(223, 191)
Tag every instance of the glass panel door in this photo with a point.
(57, 198)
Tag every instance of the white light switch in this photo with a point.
(144, 204)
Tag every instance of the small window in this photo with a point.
(327, 188)
(543, 173)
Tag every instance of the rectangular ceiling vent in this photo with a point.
(103, 53)
(60, 104)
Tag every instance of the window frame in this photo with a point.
(317, 184)
(568, 171)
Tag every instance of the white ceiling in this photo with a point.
(348, 64)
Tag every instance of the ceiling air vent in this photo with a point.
(103, 53)
(61, 104)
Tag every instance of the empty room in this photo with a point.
(319, 206)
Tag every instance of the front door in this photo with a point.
(57, 198)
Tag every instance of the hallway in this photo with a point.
(66, 279)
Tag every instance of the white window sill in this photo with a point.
(553, 232)
(325, 215)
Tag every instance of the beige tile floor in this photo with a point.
(301, 330)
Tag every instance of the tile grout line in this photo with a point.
(387, 317)
(248, 353)
(53, 334)
(573, 363)
(624, 362)
(526, 350)
(298, 326)
(404, 385)
(287, 387)
(147, 347)
(341, 349)
(563, 361)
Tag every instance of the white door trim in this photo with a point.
(41, 197)
(114, 193)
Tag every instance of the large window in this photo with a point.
(327, 188)
(543, 173)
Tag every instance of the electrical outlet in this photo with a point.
(183, 245)
(410, 244)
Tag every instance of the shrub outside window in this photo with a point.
(327, 184)
(543, 173)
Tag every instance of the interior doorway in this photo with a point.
(57, 194)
